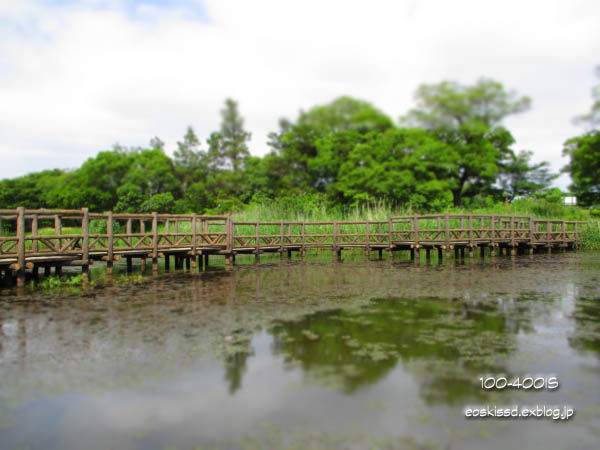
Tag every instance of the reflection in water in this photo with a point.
(359, 347)
(587, 325)
(304, 354)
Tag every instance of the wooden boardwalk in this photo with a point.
(34, 239)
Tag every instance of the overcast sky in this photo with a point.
(78, 76)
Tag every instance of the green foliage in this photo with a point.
(403, 166)
(130, 197)
(584, 166)
(339, 160)
(227, 147)
(161, 203)
(520, 177)
(66, 280)
(468, 118)
(451, 105)
(31, 190)
(590, 235)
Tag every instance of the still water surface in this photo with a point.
(306, 354)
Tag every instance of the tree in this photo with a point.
(584, 167)
(227, 147)
(161, 203)
(400, 165)
(520, 177)
(32, 190)
(191, 164)
(96, 182)
(153, 172)
(584, 154)
(314, 146)
(591, 120)
(450, 105)
(157, 144)
(468, 119)
(131, 198)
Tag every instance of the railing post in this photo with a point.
(21, 246)
(334, 235)
(34, 233)
(303, 240)
(194, 232)
(58, 230)
(471, 234)
(531, 230)
(512, 231)
(128, 231)
(447, 231)
(548, 232)
(154, 241)
(416, 228)
(85, 244)
(109, 242)
(281, 240)
(257, 241)
(229, 231)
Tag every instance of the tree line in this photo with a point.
(451, 149)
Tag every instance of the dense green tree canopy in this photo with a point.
(346, 152)
(584, 154)
(468, 119)
(584, 167)
(401, 165)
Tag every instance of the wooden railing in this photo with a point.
(40, 233)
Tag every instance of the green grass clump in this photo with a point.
(590, 235)
(67, 280)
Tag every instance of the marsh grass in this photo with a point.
(590, 235)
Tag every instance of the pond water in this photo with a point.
(307, 354)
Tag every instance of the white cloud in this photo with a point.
(77, 78)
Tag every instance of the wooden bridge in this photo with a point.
(34, 239)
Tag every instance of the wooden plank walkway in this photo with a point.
(34, 239)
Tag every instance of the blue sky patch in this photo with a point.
(136, 9)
